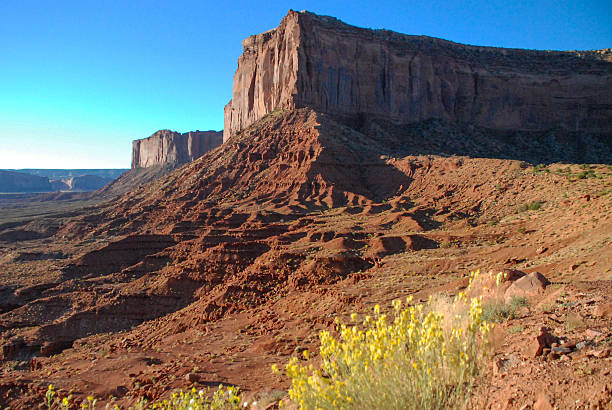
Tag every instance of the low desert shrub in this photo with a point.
(224, 398)
(517, 329)
(540, 168)
(586, 174)
(532, 206)
(418, 358)
(496, 310)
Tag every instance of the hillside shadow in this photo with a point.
(438, 137)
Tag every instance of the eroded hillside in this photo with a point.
(236, 260)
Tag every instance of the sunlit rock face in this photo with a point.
(322, 63)
(167, 147)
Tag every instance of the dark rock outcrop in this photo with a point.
(361, 74)
(171, 148)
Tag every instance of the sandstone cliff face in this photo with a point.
(322, 63)
(167, 147)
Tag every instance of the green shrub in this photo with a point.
(586, 174)
(540, 168)
(497, 311)
(532, 206)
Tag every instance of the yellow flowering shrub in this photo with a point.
(412, 360)
(224, 398)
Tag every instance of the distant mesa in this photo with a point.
(170, 148)
(53, 180)
(87, 182)
(160, 154)
(152, 158)
(11, 181)
(361, 75)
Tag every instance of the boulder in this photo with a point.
(527, 286)
(543, 341)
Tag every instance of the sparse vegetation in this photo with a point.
(585, 173)
(532, 206)
(583, 370)
(224, 398)
(540, 168)
(498, 311)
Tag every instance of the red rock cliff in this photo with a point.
(172, 148)
(319, 62)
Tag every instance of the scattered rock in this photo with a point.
(541, 250)
(512, 275)
(500, 366)
(192, 377)
(542, 341)
(561, 350)
(527, 286)
(582, 345)
(543, 403)
(553, 356)
(604, 311)
(600, 354)
(593, 334)
(569, 345)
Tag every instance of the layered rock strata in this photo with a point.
(319, 62)
(167, 147)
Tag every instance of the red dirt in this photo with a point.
(236, 260)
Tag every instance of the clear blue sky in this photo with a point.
(80, 79)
